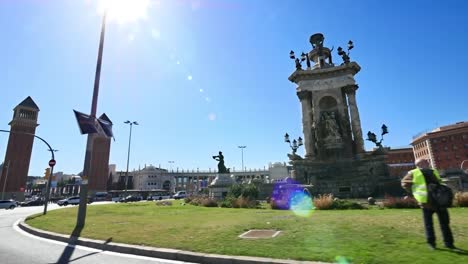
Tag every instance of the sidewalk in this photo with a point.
(164, 253)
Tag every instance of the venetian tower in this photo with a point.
(18, 153)
(335, 160)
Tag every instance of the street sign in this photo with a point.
(51, 162)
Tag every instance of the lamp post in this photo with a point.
(131, 123)
(345, 55)
(304, 57)
(373, 137)
(294, 145)
(242, 151)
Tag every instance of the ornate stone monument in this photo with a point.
(219, 187)
(335, 160)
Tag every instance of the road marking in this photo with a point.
(19, 230)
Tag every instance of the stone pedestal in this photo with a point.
(219, 187)
(346, 178)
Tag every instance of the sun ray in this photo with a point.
(124, 11)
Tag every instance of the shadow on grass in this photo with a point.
(70, 247)
(457, 251)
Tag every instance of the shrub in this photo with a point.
(250, 191)
(243, 202)
(188, 199)
(228, 202)
(461, 199)
(344, 204)
(398, 202)
(324, 202)
(235, 190)
(328, 202)
(209, 202)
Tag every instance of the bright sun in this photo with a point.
(123, 11)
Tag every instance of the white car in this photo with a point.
(180, 195)
(75, 200)
(7, 204)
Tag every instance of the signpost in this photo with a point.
(51, 164)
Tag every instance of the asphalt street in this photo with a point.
(19, 247)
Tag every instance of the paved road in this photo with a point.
(19, 247)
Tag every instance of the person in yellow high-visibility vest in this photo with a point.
(415, 182)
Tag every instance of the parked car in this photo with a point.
(180, 195)
(75, 200)
(32, 203)
(102, 196)
(130, 198)
(7, 204)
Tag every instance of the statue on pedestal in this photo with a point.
(331, 127)
(221, 167)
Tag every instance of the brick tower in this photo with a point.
(18, 154)
(99, 173)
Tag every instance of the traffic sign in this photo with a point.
(51, 162)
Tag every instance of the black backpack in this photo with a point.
(440, 195)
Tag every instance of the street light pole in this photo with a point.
(128, 153)
(46, 200)
(80, 221)
(242, 151)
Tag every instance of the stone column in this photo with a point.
(306, 102)
(355, 120)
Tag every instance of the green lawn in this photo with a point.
(360, 236)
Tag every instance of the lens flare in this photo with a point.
(123, 11)
(301, 204)
(289, 195)
(342, 260)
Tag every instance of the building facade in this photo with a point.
(399, 161)
(446, 147)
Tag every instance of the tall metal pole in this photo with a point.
(6, 177)
(128, 158)
(80, 221)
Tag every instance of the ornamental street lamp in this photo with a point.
(294, 145)
(131, 123)
(373, 137)
(345, 55)
(304, 57)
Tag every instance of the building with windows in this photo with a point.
(446, 147)
(399, 161)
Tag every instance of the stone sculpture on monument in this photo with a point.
(219, 187)
(335, 160)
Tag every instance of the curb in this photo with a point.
(163, 253)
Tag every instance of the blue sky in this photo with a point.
(208, 75)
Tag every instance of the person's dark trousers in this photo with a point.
(444, 221)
